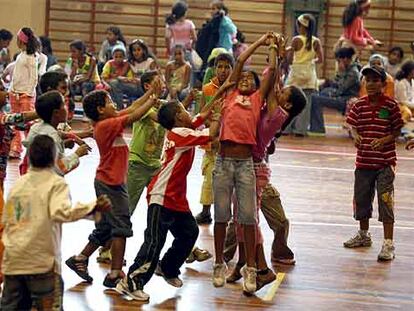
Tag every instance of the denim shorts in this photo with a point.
(232, 174)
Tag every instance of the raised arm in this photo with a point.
(268, 81)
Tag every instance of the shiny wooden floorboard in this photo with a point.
(315, 179)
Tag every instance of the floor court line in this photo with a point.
(307, 167)
(311, 151)
(271, 292)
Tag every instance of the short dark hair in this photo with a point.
(298, 100)
(147, 77)
(5, 35)
(344, 53)
(47, 103)
(167, 113)
(398, 49)
(51, 79)
(79, 45)
(92, 101)
(224, 57)
(42, 151)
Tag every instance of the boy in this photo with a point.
(376, 123)
(168, 207)
(50, 107)
(110, 178)
(36, 207)
(223, 67)
(6, 135)
(393, 61)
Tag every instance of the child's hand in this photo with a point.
(156, 86)
(378, 143)
(69, 143)
(83, 150)
(103, 204)
(265, 39)
(410, 144)
(357, 139)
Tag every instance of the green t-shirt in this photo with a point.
(147, 141)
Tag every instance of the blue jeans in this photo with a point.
(234, 174)
(119, 89)
(324, 99)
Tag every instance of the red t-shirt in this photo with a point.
(169, 187)
(113, 150)
(372, 122)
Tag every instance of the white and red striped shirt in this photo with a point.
(169, 187)
(373, 121)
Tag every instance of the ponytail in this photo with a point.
(353, 10)
(307, 21)
(32, 44)
(178, 10)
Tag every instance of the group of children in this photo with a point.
(241, 115)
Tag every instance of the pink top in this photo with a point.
(357, 33)
(267, 128)
(240, 115)
(180, 33)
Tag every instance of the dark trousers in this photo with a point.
(160, 220)
(43, 291)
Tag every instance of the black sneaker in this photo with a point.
(203, 219)
(112, 282)
(80, 267)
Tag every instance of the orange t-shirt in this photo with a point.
(113, 150)
(388, 89)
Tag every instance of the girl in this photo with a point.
(24, 81)
(180, 31)
(48, 51)
(81, 69)
(227, 29)
(234, 165)
(355, 35)
(117, 75)
(404, 86)
(113, 37)
(394, 60)
(177, 75)
(306, 51)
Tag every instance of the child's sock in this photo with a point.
(115, 273)
(81, 257)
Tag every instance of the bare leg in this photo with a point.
(219, 235)
(364, 224)
(388, 231)
(117, 252)
(250, 244)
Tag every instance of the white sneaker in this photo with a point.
(176, 282)
(123, 288)
(219, 274)
(359, 240)
(249, 276)
(387, 251)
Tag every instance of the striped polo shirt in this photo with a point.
(373, 121)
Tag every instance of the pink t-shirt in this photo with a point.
(240, 115)
(356, 33)
(113, 150)
(180, 33)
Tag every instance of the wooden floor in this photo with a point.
(315, 179)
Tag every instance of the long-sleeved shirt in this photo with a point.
(347, 82)
(25, 74)
(357, 34)
(37, 205)
(227, 31)
(64, 163)
(404, 92)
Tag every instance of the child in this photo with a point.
(227, 29)
(116, 73)
(223, 66)
(355, 35)
(376, 123)
(180, 31)
(209, 73)
(404, 91)
(114, 37)
(177, 74)
(48, 51)
(393, 61)
(234, 166)
(306, 52)
(81, 69)
(50, 107)
(240, 46)
(168, 207)
(36, 207)
(389, 90)
(6, 134)
(336, 93)
(24, 81)
(110, 179)
(280, 110)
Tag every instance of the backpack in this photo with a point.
(208, 38)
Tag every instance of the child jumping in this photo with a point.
(36, 207)
(376, 123)
(110, 179)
